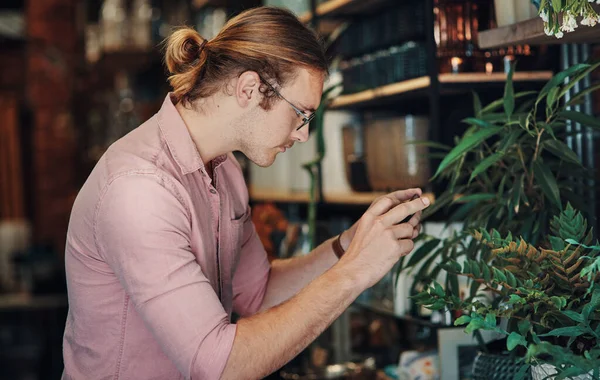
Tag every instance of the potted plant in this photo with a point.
(544, 299)
(510, 171)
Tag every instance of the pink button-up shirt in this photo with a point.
(158, 256)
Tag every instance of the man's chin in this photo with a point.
(265, 161)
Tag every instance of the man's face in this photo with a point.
(267, 133)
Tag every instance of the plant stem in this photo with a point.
(535, 154)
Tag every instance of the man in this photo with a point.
(161, 248)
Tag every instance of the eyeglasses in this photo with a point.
(305, 119)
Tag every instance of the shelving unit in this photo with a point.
(447, 81)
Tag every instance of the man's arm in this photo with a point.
(268, 340)
(289, 276)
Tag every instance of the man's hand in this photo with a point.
(380, 238)
(402, 196)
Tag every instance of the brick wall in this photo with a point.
(52, 58)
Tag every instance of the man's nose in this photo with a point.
(301, 135)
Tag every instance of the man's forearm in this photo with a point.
(289, 276)
(266, 341)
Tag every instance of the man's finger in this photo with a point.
(385, 203)
(416, 219)
(400, 212)
(403, 231)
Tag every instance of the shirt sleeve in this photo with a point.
(252, 273)
(142, 230)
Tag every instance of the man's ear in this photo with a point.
(247, 88)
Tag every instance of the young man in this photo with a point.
(161, 248)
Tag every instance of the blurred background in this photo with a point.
(77, 75)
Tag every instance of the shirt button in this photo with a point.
(213, 191)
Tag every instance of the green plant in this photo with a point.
(312, 167)
(547, 296)
(510, 171)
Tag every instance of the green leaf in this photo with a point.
(550, 99)
(487, 276)
(485, 164)
(557, 5)
(561, 150)
(511, 280)
(524, 326)
(577, 97)
(475, 269)
(547, 183)
(510, 140)
(468, 143)
(475, 324)
(559, 78)
(549, 128)
(498, 103)
(581, 118)
(573, 315)
(515, 198)
(476, 104)
(509, 92)
(498, 275)
(422, 252)
(578, 78)
(478, 122)
(438, 290)
(490, 320)
(515, 339)
(462, 320)
(559, 302)
(566, 331)
(475, 197)
(438, 305)
(467, 267)
(513, 299)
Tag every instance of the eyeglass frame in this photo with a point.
(305, 119)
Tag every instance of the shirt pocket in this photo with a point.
(237, 230)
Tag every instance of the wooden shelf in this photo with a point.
(350, 198)
(24, 301)
(334, 8)
(446, 80)
(531, 32)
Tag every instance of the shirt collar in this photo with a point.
(179, 141)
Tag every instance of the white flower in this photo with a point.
(548, 31)
(569, 22)
(544, 15)
(559, 34)
(589, 20)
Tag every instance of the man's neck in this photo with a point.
(211, 131)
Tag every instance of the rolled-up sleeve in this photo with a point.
(142, 229)
(252, 275)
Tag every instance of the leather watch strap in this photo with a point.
(337, 247)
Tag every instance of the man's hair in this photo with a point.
(270, 41)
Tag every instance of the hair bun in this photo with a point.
(183, 48)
